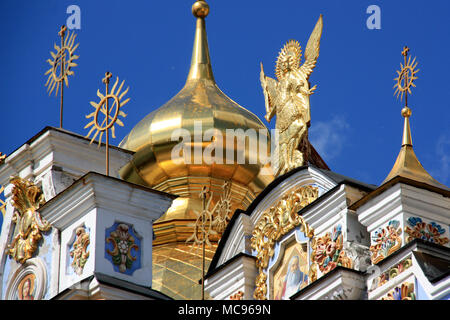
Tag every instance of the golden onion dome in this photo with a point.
(176, 266)
(199, 101)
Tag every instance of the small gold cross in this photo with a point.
(62, 31)
(405, 51)
(108, 75)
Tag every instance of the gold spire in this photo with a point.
(200, 63)
(407, 165)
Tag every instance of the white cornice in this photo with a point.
(94, 190)
(236, 240)
(339, 285)
(71, 152)
(407, 199)
(238, 275)
(327, 212)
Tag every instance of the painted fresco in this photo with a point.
(292, 274)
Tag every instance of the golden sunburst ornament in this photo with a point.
(406, 76)
(61, 63)
(203, 226)
(111, 114)
(222, 209)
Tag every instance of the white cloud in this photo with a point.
(328, 138)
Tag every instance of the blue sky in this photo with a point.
(356, 123)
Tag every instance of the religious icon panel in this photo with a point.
(292, 273)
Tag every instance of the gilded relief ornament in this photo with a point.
(275, 223)
(386, 241)
(288, 99)
(2, 203)
(26, 199)
(79, 253)
(123, 242)
(2, 158)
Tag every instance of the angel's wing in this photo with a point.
(312, 49)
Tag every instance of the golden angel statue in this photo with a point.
(288, 99)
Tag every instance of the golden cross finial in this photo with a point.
(404, 82)
(405, 51)
(62, 31)
(108, 75)
(61, 64)
(407, 165)
(111, 118)
(406, 76)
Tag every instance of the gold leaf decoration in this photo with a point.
(275, 223)
(26, 199)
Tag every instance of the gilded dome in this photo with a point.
(200, 102)
(177, 267)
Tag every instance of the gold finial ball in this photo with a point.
(406, 112)
(200, 9)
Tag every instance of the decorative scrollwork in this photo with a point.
(275, 223)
